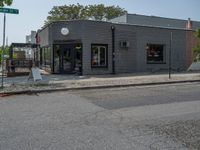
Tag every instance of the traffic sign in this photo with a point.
(9, 10)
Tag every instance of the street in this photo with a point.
(163, 117)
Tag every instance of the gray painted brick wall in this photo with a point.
(131, 59)
(134, 59)
(75, 30)
(161, 36)
(126, 59)
(96, 33)
(44, 37)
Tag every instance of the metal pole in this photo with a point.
(2, 61)
(170, 51)
(113, 49)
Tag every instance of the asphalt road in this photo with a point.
(140, 96)
(138, 118)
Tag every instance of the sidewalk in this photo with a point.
(19, 85)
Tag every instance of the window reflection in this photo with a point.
(99, 56)
(155, 53)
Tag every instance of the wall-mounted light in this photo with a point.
(64, 31)
(78, 46)
(112, 27)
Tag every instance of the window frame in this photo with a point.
(45, 62)
(164, 54)
(106, 53)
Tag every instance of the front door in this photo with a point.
(67, 59)
(63, 58)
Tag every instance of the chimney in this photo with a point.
(189, 24)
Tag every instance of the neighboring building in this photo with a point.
(97, 47)
(154, 21)
(31, 38)
(23, 51)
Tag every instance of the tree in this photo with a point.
(5, 2)
(71, 12)
(198, 33)
(196, 50)
(112, 12)
(80, 12)
(6, 52)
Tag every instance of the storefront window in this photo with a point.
(47, 57)
(56, 58)
(41, 58)
(99, 55)
(155, 53)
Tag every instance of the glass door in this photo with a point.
(63, 58)
(67, 59)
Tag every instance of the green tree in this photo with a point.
(80, 12)
(114, 11)
(196, 50)
(198, 33)
(71, 12)
(97, 12)
(5, 2)
(6, 52)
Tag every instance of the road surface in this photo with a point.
(145, 118)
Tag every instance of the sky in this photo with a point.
(33, 13)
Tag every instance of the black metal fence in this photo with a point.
(17, 67)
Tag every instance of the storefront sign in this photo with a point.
(64, 31)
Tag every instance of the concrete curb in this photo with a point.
(4, 94)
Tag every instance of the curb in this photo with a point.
(4, 94)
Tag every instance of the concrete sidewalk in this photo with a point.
(19, 85)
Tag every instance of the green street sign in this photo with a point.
(9, 10)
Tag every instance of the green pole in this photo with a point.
(2, 64)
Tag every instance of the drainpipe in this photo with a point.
(113, 49)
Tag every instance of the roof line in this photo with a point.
(162, 17)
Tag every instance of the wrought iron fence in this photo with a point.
(16, 67)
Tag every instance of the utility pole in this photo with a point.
(6, 41)
(10, 11)
(170, 53)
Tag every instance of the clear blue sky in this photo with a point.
(34, 12)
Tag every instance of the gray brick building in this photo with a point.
(117, 46)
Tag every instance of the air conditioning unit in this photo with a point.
(124, 44)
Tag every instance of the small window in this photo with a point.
(99, 55)
(155, 53)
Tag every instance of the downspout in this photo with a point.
(113, 49)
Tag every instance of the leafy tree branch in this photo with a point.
(80, 12)
(196, 50)
(5, 2)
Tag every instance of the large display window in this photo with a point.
(155, 53)
(99, 55)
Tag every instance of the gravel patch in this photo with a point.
(187, 132)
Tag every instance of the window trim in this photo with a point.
(164, 54)
(106, 46)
